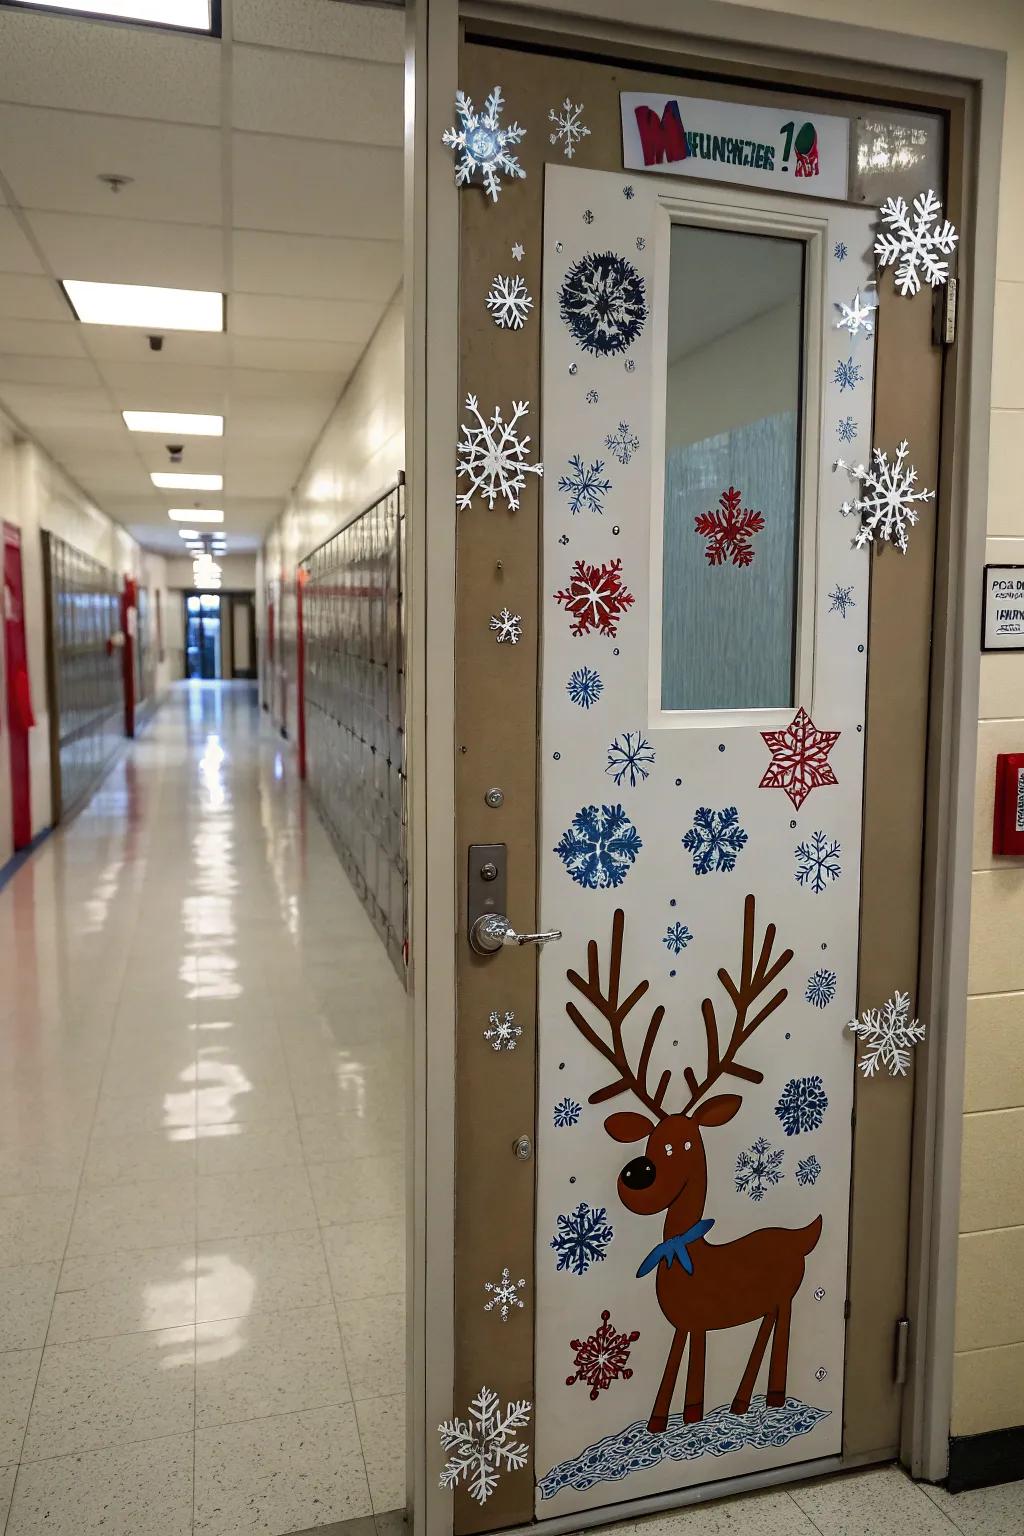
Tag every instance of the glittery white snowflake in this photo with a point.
(518, 252)
(482, 1444)
(917, 243)
(630, 756)
(509, 302)
(482, 145)
(622, 443)
(492, 456)
(889, 1035)
(507, 627)
(503, 1031)
(570, 128)
(504, 1294)
(858, 316)
(887, 499)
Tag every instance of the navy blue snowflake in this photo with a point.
(807, 1170)
(600, 847)
(846, 429)
(847, 374)
(584, 687)
(585, 487)
(758, 1169)
(603, 302)
(622, 443)
(840, 600)
(802, 1105)
(630, 756)
(821, 988)
(628, 194)
(817, 862)
(566, 1113)
(677, 936)
(839, 251)
(715, 839)
(582, 1238)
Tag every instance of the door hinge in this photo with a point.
(846, 1310)
(902, 1350)
(945, 314)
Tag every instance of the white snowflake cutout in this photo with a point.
(504, 1294)
(570, 128)
(480, 1444)
(915, 245)
(858, 316)
(507, 627)
(887, 499)
(493, 458)
(503, 1031)
(889, 1036)
(517, 251)
(509, 302)
(482, 145)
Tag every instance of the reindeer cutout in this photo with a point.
(701, 1286)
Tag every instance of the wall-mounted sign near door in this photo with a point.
(788, 150)
(1002, 622)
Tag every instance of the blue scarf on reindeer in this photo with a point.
(674, 1248)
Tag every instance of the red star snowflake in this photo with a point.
(595, 597)
(602, 1358)
(799, 756)
(729, 529)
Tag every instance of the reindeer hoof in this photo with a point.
(658, 1424)
(775, 1399)
(740, 1405)
(693, 1413)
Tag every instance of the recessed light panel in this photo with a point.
(152, 309)
(188, 533)
(192, 515)
(174, 480)
(189, 15)
(174, 421)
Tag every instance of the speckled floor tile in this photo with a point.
(124, 1292)
(366, 1258)
(18, 1371)
(248, 1204)
(772, 1513)
(163, 1154)
(871, 1503)
(274, 1476)
(102, 1392)
(997, 1511)
(33, 1163)
(248, 1146)
(26, 1296)
(153, 1214)
(7, 1475)
(130, 1490)
(358, 1189)
(373, 1335)
(276, 1271)
(35, 1227)
(381, 1423)
(268, 1363)
(332, 1138)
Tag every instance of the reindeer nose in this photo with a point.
(639, 1174)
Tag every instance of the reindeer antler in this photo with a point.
(609, 1007)
(754, 980)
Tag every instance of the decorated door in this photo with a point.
(696, 553)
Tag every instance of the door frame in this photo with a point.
(744, 43)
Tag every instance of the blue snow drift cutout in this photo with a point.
(603, 301)
(720, 1432)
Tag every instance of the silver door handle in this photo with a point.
(493, 931)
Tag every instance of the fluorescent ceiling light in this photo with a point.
(196, 515)
(166, 480)
(188, 533)
(195, 15)
(174, 421)
(154, 309)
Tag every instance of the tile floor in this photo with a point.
(201, 1186)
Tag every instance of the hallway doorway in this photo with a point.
(202, 636)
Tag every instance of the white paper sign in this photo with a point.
(785, 149)
(1004, 608)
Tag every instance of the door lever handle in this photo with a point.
(493, 931)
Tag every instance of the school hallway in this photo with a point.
(201, 1174)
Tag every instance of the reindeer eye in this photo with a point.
(687, 1145)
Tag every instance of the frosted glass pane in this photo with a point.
(731, 471)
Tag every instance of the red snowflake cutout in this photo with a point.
(595, 597)
(602, 1358)
(729, 529)
(799, 756)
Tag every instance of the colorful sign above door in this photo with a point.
(781, 148)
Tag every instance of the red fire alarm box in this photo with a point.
(1008, 820)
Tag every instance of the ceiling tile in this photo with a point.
(104, 472)
(41, 404)
(276, 385)
(316, 267)
(184, 382)
(274, 316)
(16, 254)
(52, 160)
(331, 360)
(33, 298)
(124, 344)
(203, 456)
(40, 338)
(253, 421)
(323, 26)
(60, 61)
(108, 250)
(305, 186)
(317, 97)
(74, 371)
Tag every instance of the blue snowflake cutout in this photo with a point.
(807, 1170)
(840, 600)
(715, 840)
(482, 145)
(582, 1238)
(585, 487)
(839, 251)
(802, 1105)
(758, 1169)
(585, 687)
(846, 429)
(821, 988)
(677, 936)
(847, 375)
(817, 862)
(600, 847)
(622, 443)
(603, 302)
(630, 756)
(566, 1113)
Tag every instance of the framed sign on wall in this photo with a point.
(1002, 621)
